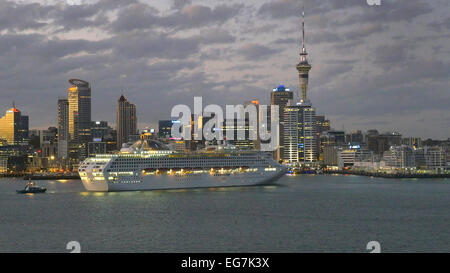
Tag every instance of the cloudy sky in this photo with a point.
(384, 67)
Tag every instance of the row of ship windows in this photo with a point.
(190, 162)
(191, 159)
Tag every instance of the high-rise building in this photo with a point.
(165, 128)
(243, 129)
(24, 129)
(355, 137)
(255, 129)
(322, 125)
(126, 121)
(14, 127)
(79, 98)
(300, 134)
(63, 128)
(280, 96)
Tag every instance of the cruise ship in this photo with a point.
(151, 165)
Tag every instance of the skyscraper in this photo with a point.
(24, 129)
(63, 128)
(10, 126)
(280, 96)
(303, 66)
(165, 128)
(126, 121)
(300, 134)
(79, 98)
(322, 125)
(14, 127)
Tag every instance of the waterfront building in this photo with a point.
(14, 127)
(79, 98)
(322, 125)
(63, 129)
(299, 134)
(350, 156)
(330, 154)
(24, 130)
(399, 157)
(419, 158)
(436, 158)
(165, 128)
(280, 96)
(243, 132)
(255, 130)
(126, 121)
(96, 147)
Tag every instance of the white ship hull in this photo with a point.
(164, 182)
(139, 169)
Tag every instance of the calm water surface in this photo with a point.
(301, 214)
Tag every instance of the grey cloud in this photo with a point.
(359, 11)
(213, 36)
(256, 51)
(20, 17)
(391, 54)
(136, 16)
(280, 9)
(179, 4)
(442, 25)
(141, 16)
(367, 59)
(287, 41)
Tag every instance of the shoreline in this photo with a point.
(388, 175)
(42, 177)
(340, 172)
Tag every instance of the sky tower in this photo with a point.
(303, 67)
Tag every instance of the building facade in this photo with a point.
(126, 121)
(300, 134)
(79, 98)
(14, 128)
(280, 96)
(63, 128)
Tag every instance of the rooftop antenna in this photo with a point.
(14, 104)
(303, 53)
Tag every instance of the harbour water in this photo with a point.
(306, 213)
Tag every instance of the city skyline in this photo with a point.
(181, 67)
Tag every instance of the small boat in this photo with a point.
(31, 188)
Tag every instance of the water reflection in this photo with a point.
(170, 191)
